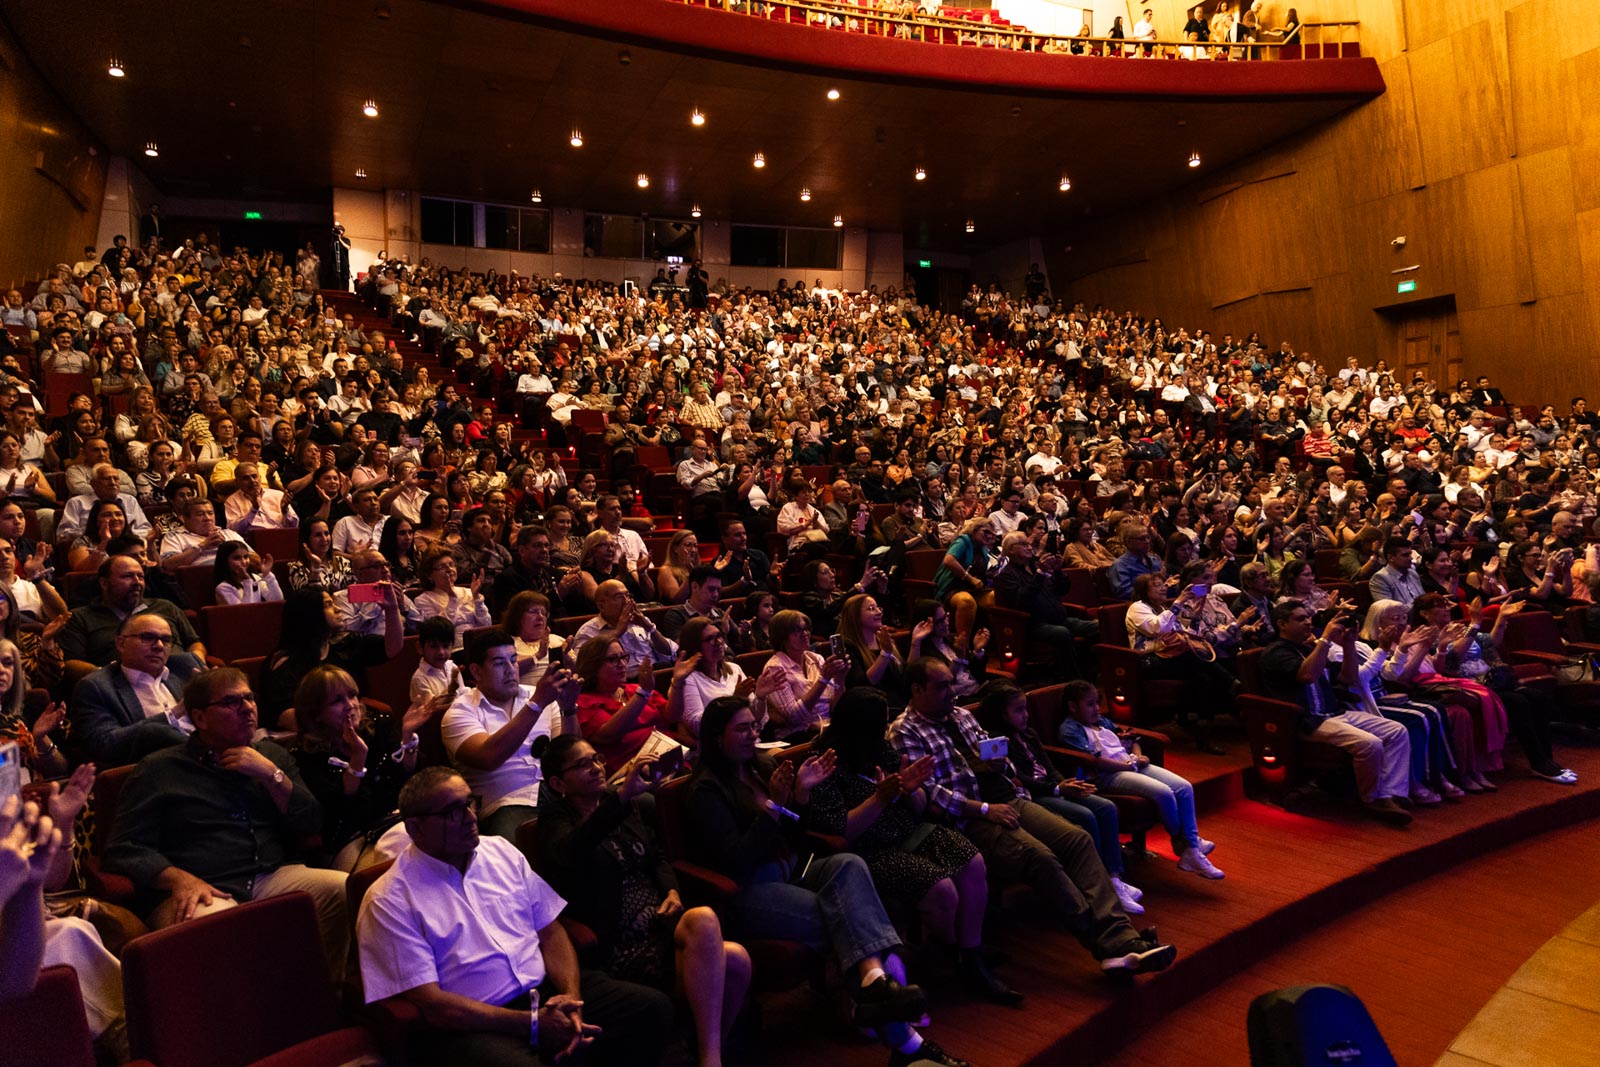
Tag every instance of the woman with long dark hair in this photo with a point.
(313, 633)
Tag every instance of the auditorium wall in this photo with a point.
(1483, 153)
(52, 173)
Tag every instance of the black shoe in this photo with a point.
(1149, 936)
(887, 1001)
(927, 1052)
(980, 981)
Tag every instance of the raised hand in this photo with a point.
(685, 667)
(914, 774)
(814, 771)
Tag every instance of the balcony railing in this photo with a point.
(1316, 40)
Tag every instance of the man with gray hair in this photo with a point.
(252, 506)
(104, 484)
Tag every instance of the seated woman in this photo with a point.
(313, 633)
(963, 582)
(930, 636)
(1546, 578)
(870, 648)
(36, 736)
(106, 520)
(823, 600)
(243, 577)
(601, 561)
(672, 577)
(397, 543)
(877, 806)
(1003, 712)
(1298, 581)
(40, 655)
(742, 814)
(797, 686)
(1442, 574)
(1174, 651)
(319, 566)
(464, 606)
(703, 642)
(1081, 548)
(600, 855)
(344, 761)
(1463, 653)
(616, 716)
(527, 620)
(1120, 768)
(755, 620)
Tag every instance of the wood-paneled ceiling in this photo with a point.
(263, 102)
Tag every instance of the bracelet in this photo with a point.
(983, 809)
(533, 1018)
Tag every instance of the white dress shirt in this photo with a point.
(156, 699)
(350, 531)
(273, 513)
(516, 781)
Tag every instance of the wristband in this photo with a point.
(533, 1018)
(983, 809)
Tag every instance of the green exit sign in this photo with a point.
(252, 214)
(1407, 286)
(924, 263)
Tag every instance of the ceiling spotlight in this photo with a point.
(838, 220)
(833, 94)
(805, 196)
(361, 174)
(694, 212)
(1066, 183)
(759, 162)
(114, 68)
(1194, 159)
(971, 227)
(576, 140)
(920, 174)
(537, 197)
(697, 118)
(370, 109)
(151, 150)
(643, 181)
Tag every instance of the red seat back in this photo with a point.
(48, 1026)
(242, 631)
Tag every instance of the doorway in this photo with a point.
(1425, 336)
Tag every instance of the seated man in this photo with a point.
(90, 635)
(195, 543)
(367, 567)
(1295, 669)
(463, 929)
(618, 613)
(744, 569)
(478, 552)
(705, 589)
(1034, 588)
(213, 822)
(531, 569)
(1398, 578)
(252, 506)
(103, 486)
(1136, 559)
(488, 727)
(1020, 840)
(123, 712)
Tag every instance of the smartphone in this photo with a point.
(1199, 590)
(990, 748)
(365, 593)
(836, 646)
(668, 763)
(10, 771)
(427, 476)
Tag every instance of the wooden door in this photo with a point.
(1430, 342)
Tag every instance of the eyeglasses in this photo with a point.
(593, 759)
(235, 703)
(453, 812)
(621, 658)
(152, 639)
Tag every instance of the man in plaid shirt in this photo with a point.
(1020, 840)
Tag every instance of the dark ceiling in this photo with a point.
(263, 101)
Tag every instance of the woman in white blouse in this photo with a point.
(462, 605)
(527, 620)
(798, 685)
(714, 674)
(244, 577)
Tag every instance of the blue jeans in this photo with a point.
(1097, 817)
(1173, 797)
(834, 908)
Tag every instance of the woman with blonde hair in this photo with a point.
(869, 646)
(672, 577)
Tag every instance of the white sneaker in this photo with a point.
(1195, 861)
(1421, 794)
(1133, 890)
(1206, 847)
(1128, 896)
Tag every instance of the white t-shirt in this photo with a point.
(516, 781)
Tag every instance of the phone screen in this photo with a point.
(836, 646)
(361, 593)
(10, 771)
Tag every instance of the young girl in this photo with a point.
(1120, 769)
(244, 577)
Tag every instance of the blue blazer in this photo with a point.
(109, 725)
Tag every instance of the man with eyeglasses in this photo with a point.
(462, 929)
(123, 712)
(213, 822)
(531, 569)
(369, 567)
(488, 727)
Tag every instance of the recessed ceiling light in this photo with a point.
(361, 174)
(833, 94)
(920, 174)
(114, 68)
(643, 181)
(576, 140)
(151, 150)
(1066, 183)
(537, 197)
(697, 118)
(970, 226)
(805, 196)
(1194, 159)
(370, 109)
(759, 162)
(694, 212)
(838, 220)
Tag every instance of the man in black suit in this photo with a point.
(1485, 394)
(133, 707)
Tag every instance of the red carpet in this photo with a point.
(1288, 876)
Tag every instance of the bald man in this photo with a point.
(639, 637)
(252, 506)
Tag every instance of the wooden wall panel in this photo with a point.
(1583, 128)
(1429, 21)
(1545, 186)
(1587, 229)
(1563, 355)
(1380, 144)
(1495, 268)
(1536, 80)
(1438, 109)
(1478, 51)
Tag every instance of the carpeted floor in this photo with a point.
(1288, 875)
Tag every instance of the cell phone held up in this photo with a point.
(836, 646)
(993, 748)
(365, 593)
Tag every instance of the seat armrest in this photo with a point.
(827, 843)
(1531, 656)
(704, 883)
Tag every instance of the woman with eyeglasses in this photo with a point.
(464, 606)
(797, 685)
(345, 761)
(617, 717)
(703, 643)
(599, 854)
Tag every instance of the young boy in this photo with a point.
(437, 677)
